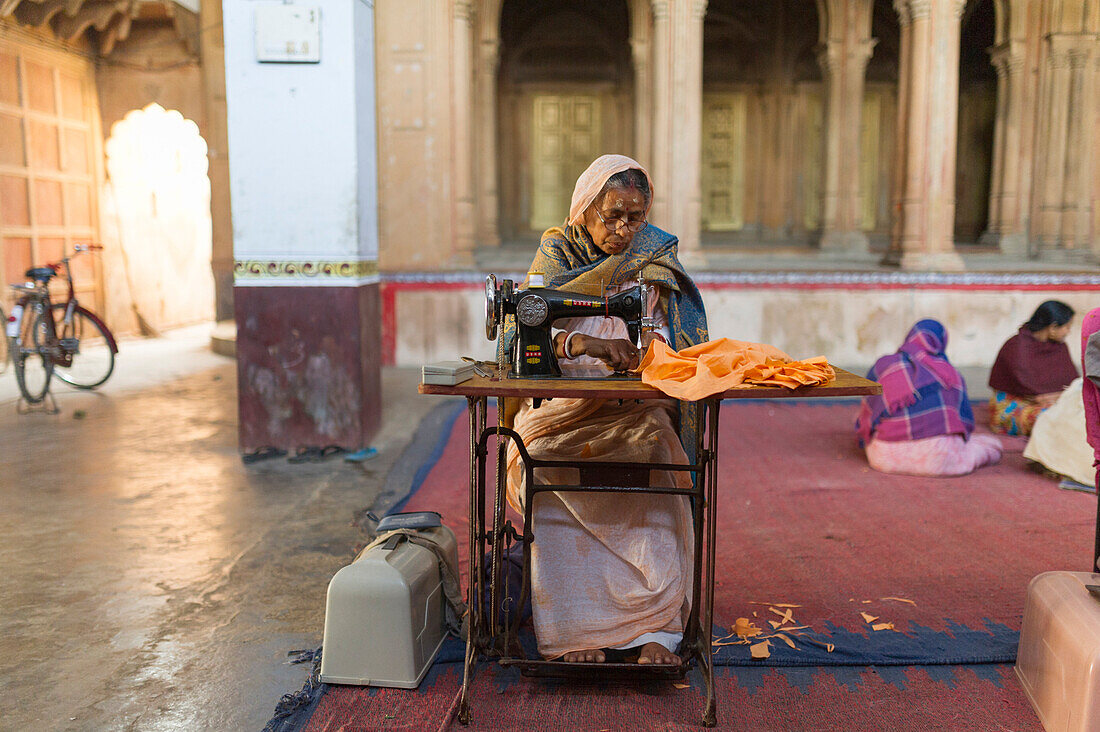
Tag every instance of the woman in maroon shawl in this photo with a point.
(1031, 370)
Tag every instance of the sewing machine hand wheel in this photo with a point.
(494, 298)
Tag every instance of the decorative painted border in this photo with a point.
(304, 272)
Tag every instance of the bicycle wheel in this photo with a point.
(5, 352)
(93, 360)
(31, 359)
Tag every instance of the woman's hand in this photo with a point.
(648, 337)
(618, 353)
(1047, 400)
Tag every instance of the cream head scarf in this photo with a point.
(592, 181)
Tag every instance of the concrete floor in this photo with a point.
(151, 580)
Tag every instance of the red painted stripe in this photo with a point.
(412, 286)
(389, 324)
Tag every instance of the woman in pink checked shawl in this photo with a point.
(922, 424)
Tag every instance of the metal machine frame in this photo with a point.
(490, 636)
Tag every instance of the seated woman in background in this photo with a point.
(922, 424)
(1059, 440)
(610, 571)
(1090, 389)
(1031, 370)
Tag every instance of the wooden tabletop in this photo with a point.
(846, 384)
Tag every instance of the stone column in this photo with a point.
(843, 69)
(303, 175)
(1006, 227)
(932, 101)
(1065, 176)
(677, 133)
(641, 55)
(901, 134)
(488, 213)
(212, 50)
(643, 98)
(462, 139)
(843, 54)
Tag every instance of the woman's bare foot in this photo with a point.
(593, 655)
(656, 653)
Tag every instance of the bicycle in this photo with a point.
(45, 337)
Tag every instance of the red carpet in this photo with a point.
(803, 520)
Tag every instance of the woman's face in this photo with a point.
(614, 205)
(1058, 333)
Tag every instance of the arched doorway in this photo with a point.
(565, 96)
(762, 153)
(157, 208)
(880, 185)
(977, 117)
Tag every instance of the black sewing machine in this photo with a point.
(531, 351)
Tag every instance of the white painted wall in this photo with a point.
(852, 328)
(366, 129)
(301, 139)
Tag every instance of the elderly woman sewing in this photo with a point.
(611, 571)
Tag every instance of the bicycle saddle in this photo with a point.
(40, 274)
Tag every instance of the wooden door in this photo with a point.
(813, 158)
(723, 161)
(565, 140)
(48, 197)
(869, 139)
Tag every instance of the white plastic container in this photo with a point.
(1058, 662)
(15, 319)
(384, 618)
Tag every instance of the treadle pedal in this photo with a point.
(601, 671)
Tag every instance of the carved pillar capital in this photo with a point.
(1079, 57)
(862, 51)
(660, 10)
(828, 56)
(490, 53)
(836, 56)
(920, 9)
(901, 7)
(463, 10)
(639, 52)
(698, 9)
(1070, 50)
(1007, 57)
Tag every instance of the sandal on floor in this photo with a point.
(360, 456)
(315, 454)
(264, 453)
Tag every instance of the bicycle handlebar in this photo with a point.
(77, 249)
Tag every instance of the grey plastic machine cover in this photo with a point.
(384, 619)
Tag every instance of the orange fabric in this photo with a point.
(715, 366)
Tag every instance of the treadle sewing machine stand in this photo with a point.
(489, 635)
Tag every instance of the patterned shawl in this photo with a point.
(570, 260)
(922, 393)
